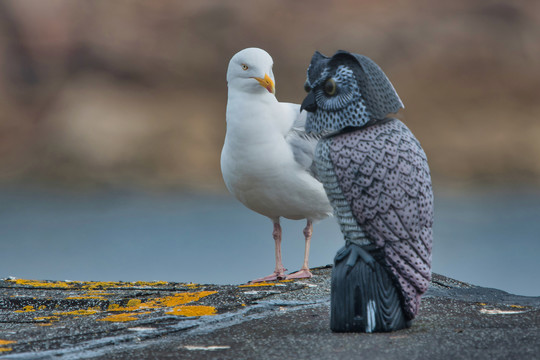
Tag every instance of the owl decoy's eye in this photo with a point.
(330, 87)
(307, 88)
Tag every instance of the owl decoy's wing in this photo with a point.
(384, 175)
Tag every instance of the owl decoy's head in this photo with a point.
(346, 90)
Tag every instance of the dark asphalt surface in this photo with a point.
(284, 321)
(447, 329)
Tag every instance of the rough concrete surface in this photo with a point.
(286, 320)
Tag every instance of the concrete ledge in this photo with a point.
(290, 319)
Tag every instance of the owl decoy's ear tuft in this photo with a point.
(317, 65)
(379, 93)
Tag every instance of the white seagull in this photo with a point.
(267, 158)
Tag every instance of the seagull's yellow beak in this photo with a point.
(267, 83)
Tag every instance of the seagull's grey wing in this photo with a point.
(302, 144)
(383, 173)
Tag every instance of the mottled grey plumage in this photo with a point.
(376, 176)
(303, 144)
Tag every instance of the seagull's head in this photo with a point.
(250, 70)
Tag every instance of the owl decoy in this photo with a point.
(377, 178)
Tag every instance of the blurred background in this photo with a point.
(112, 119)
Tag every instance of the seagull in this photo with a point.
(267, 157)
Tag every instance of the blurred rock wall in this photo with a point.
(134, 92)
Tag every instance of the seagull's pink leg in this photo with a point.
(279, 272)
(304, 271)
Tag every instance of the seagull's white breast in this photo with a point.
(258, 165)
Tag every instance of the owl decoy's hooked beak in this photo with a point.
(309, 104)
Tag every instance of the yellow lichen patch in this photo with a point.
(42, 307)
(28, 308)
(92, 285)
(122, 317)
(113, 307)
(87, 285)
(37, 283)
(192, 310)
(134, 302)
(50, 320)
(148, 283)
(4, 348)
(192, 285)
(80, 312)
(517, 306)
(180, 299)
(167, 301)
(258, 284)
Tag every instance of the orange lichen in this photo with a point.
(180, 299)
(4, 348)
(80, 312)
(28, 308)
(39, 318)
(148, 283)
(123, 317)
(192, 310)
(37, 283)
(131, 310)
(87, 285)
(51, 319)
(258, 284)
(134, 302)
(156, 303)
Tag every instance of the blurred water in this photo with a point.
(489, 238)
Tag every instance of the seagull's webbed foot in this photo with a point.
(277, 275)
(301, 274)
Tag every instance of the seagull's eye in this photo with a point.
(307, 87)
(244, 67)
(330, 87)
